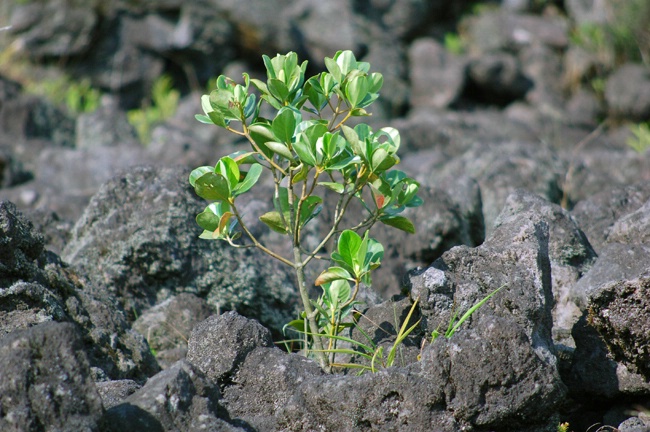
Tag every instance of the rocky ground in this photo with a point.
(114, 316)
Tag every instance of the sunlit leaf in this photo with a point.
(198, 172)
(336, 187)
(249, 181)
(332, 274)
(280, 148)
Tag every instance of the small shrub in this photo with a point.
(307, 148)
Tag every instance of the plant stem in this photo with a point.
(309, 311)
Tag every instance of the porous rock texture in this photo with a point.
(115, 316)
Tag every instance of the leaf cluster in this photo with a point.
(308, 149)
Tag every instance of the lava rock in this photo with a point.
(46, 382)
(138, 239)
(219, 344)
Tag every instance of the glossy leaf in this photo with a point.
(229, 169)
(399, 222)
(304, 151)
(249, 181)
(212, 187)
(278, 89)
(285, 123)
(280, 148)
(198, 172)
(332, 274)
(311, 207)
(336, 187)
(356, 90)
(348, 248)
(203, 119)
(333, 69)
(353, 138)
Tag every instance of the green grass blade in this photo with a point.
(469, 313)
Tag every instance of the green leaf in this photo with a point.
(212, 186)
(203, 119)
(356, 90)
(333, 69)
(280, 148)
(284, 124)
(311, 207)
(399, 222)
(378, 157)
(278, 89)
(303, 150)
(353, 138)
(376, 81)
(250, 106)
(198, 172)
(262, 133)
(249, 181)
(208, 220)
(244, 157)
(229, 169)
(348, 247)
(332, 274)
(346, 61)
(218, 119)
(274, 221)
(336, 187)
(205, 104)
(260, 85)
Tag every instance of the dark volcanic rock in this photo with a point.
(139, 240)
(35, 287)
(597, 214)
(625, 101)
(264, 383)
(176, 399)
(45, 382)
(502, 167)
(619, 312)
(220, 343)
(168, 325)
(463, 383)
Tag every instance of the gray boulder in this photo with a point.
(105, 127)
(437, 77)
(56, 29)
(168, 325)
(220, 343)
(496, 29)
(471, 382)
(36, 287)
(265, 382)
(598, 213)
(114, 392)
(176, 399)
(496, 79)
(619, 312)
(627, 101)
(46, 381)
(138, 239)
(569, 251)
(502, 167)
